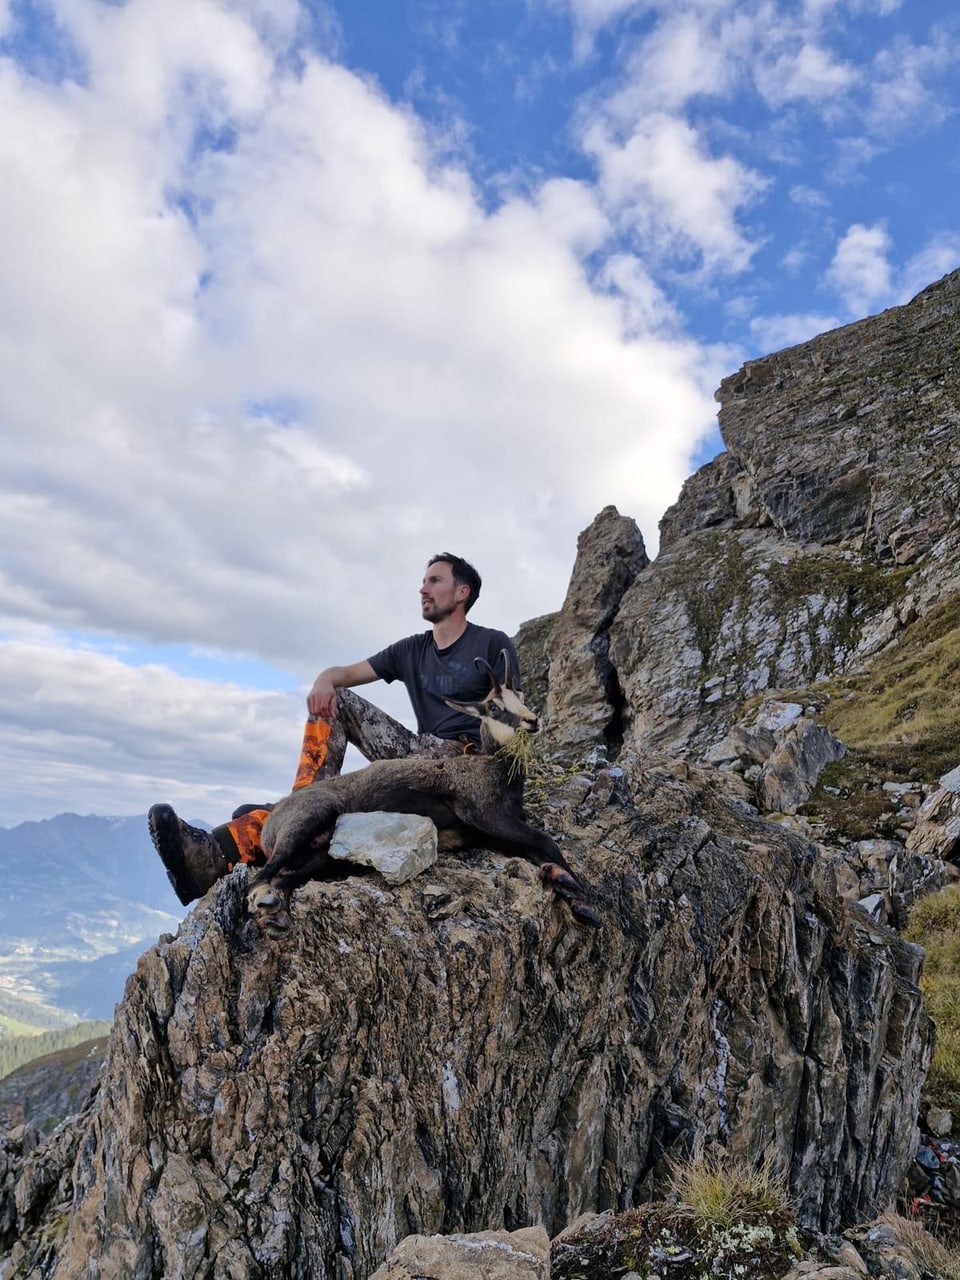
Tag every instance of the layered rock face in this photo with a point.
(583, 695)
(453, 1055)
(853, 436)
(828, 526)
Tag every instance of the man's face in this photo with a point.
(439, 594)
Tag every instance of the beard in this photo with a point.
(432, 612)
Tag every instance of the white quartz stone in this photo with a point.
(398, 845)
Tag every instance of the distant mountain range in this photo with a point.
(80, 899)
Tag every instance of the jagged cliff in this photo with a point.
(453, 1054)
(827, 530)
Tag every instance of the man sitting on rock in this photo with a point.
(433, 665)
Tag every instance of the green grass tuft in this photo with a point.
(936, 1258)
(717, 1194)
(935, 924)
(728, 1222)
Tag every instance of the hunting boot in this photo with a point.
(194, 859)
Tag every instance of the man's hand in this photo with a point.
(322, 698)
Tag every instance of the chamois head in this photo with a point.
(503, 711)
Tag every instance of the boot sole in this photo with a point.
(164, 830)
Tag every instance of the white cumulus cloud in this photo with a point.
(263, 349)
(677, 197)
(776, 332)
(860, 271)
(807, 72)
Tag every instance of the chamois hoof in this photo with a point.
(569, 889)
(563, 884)
(277, 926)
(583, 913)
(268, 909)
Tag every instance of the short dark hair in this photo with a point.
(463, 573)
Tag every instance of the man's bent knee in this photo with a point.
(376, 735)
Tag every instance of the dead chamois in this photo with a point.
(477, 798)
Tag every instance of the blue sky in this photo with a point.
(295, 295)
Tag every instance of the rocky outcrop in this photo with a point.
(828, 527)
(937, 830)
(851, 437)
(584, 700)
(782, 749)
(725, 615)
(453, 1056)
(534, 645)
(796, 762)
(657, 1240)
(883, 879)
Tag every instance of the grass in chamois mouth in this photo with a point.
(519, 753)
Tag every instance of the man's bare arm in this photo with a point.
(322, 698)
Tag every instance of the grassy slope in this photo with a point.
(901, 718)
(17, 1052)
(904, 712)
(935, 924)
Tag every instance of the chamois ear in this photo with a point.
(468, 708)
(494, 682)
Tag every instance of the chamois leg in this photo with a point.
(268, 901)
(566, 886)
(295, 839)
(510, 832)
(299, 825)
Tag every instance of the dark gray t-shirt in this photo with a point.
(431, 674)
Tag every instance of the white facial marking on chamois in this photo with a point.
(503, 711)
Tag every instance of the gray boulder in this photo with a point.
(398, 846)
(484, 1255)
(792, 769)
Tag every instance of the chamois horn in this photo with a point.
(483, 664)
(508, 682)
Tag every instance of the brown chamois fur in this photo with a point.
(478, 798)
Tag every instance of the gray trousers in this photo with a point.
(378, 736)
